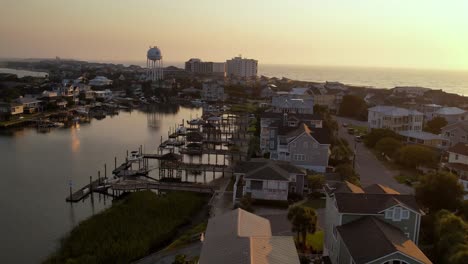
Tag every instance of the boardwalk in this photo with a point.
(146, 185)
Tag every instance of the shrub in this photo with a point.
(412, 156)
(388, 145)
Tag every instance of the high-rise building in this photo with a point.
(241, 67)
(197, 66)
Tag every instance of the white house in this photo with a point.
(395, 118)
(105, 95)
(451, 114)
(267, 180)
(458, 163)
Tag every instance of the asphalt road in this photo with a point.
(368, 166)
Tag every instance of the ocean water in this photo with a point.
(449, 81)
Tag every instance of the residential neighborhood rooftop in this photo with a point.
(240, 237)
(370, 238)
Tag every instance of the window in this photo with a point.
(407, 234)
(397, 214)
(272, 145)
(456, 157)
(404, 214)
(389, 214)
(256, 185)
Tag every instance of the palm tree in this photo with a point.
(303, 220)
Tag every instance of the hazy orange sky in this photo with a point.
(397, 33)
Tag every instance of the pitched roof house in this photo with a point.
(458, 164)
(240, 237)
(375, 224)
(267, 179)
(456, 132)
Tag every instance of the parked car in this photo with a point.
(345, 124)
(351, 131)
(358, 138)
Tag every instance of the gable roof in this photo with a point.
(460, 124)
(264, 169)
(321, 135)
(242, 237)
(459, 148)
(373, 203)
(370, 238)
(342, 187)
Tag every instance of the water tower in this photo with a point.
(154, 64)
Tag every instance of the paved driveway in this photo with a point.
(368, 166)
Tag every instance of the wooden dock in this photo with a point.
(84, 191)
(166, 186)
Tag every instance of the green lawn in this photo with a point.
(407, 178)
(361, 130)
(315, 203)
(246, 108)
(315, 240)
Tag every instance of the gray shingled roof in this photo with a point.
(264, 169)
(372, 203)
(370, 238)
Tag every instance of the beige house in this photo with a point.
(240, 237)
(425, 138)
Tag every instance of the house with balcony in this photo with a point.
(374, 225)
(456, 133)
(10, 109)
(303, 146)
(425, 139)
(395, 118)
(458, 164)
(30, 104)
(267, 180)
(271, 122)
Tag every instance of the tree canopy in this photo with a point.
(441, 190)
(434, 126)
(377, 134)
(316, 181)
(388, 145)
(451, 234)
(412, 156)
(353, 106)
(303, 220)
(347, 173)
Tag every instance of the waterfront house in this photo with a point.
(268, 180)
(322, 98)
(304, 146)
(451, 114)
(240, 237)
(10, 109)
(371, 225)
(395, 118)
(270, 123)
(425, 138)
(458, 164)
(30, 104)
(49, 94)
(429, 110)
(456, 132)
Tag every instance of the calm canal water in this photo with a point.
(36, 169)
